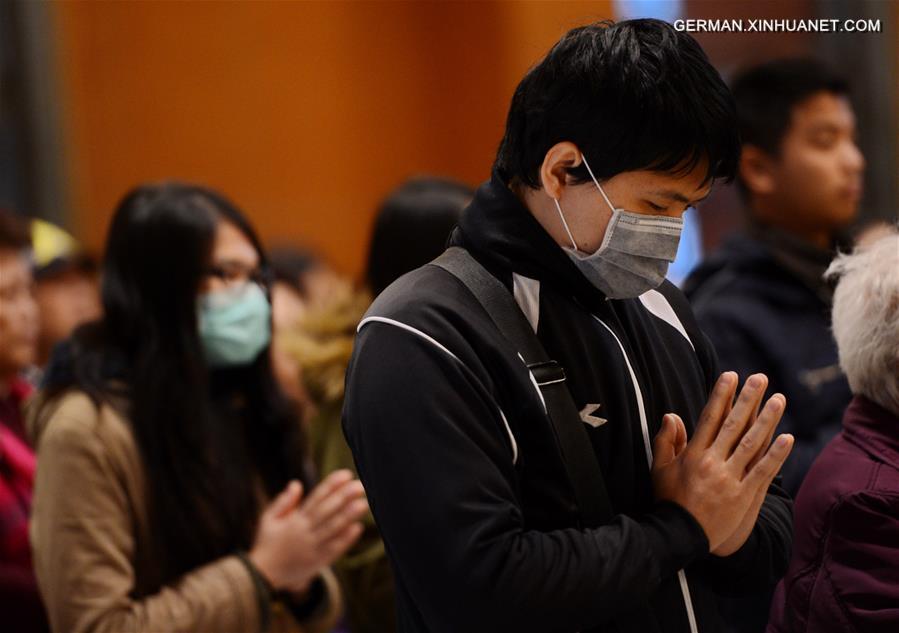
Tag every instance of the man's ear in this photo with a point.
(757, 170)
(554, 170)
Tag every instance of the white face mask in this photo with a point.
(635, 252)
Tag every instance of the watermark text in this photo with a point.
(821, 25)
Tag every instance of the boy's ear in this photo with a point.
(757, 170)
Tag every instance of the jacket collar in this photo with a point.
(873, 428)
(502, 233)
(805, 261)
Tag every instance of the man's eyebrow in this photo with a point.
(679, 197)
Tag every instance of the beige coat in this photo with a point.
(89, 532)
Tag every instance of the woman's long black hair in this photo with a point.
(209, 440)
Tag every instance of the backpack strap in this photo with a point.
(574, 444)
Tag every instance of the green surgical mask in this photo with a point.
(234, 325)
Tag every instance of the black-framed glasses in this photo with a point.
(233, 274)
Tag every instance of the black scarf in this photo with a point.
(500, 231)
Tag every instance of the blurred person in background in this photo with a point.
(844, 573)
(301, 281)
(762, 298)
(528, 495)
(411, 228)
(19, 329)
(20, 603)
(304, 272)
(66, 288)
(172, 490)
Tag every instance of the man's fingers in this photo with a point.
(728, 407)
(763, 473)
(756, 439)
(770, 436)
(735, 423)
(719, 400)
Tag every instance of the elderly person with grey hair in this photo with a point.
(844, 573)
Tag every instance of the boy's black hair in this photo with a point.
(767, 94)
(631, 95)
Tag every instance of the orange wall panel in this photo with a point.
(305, 113)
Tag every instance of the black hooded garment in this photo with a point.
(764, 303)
(463, 472)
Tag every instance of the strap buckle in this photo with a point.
(547, 373)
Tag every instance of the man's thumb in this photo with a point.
(663, 446)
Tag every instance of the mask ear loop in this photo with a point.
(565, 224)
(596, 182)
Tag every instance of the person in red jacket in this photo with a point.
(844, 572)
(20, 601)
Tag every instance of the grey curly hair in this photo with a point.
(866, 318)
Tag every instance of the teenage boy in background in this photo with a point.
(762, 299)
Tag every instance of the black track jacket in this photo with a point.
(463, 473)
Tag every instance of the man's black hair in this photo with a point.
(767, 94)
(631, 95)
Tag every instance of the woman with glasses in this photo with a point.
(171, 491)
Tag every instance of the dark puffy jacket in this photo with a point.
(844, 574)
(762, 303)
